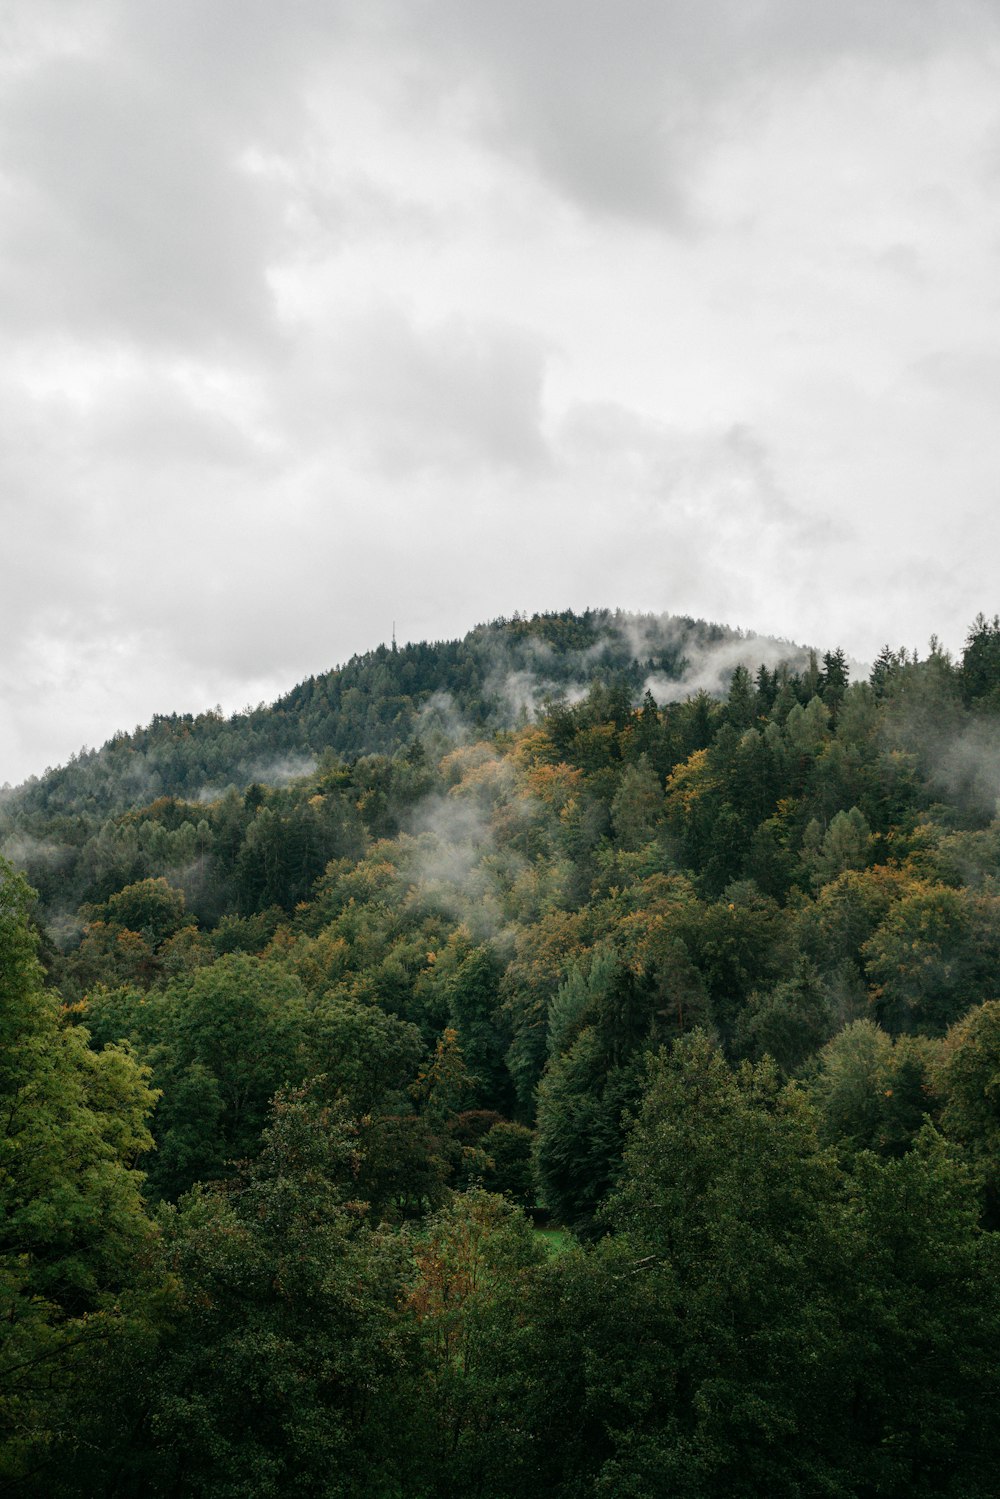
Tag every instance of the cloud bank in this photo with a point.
(328, 317)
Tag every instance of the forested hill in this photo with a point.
(499, 676)
(706, 984)
(493, 678)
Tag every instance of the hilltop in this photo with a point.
(496, 676)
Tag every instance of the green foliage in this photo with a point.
(221, 1042)
(924, 1318)
(831, 1335)
(934, 955)
(581, 1102)
(726, 1198)
(981, 663)
(508, 1150)
(150, 907)
(872, 1092)
(76, 1248)
(362, 1054)
(846, 844)
(458, 958)
(577, 1000)
(789, 1022)
(968, 1076)
(473, 996)
(280, 1375)
(738, 945)
(636, 805)
(473, 1262)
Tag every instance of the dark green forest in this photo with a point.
(564, 1061)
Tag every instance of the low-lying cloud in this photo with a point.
(324, 317)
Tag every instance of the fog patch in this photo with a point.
(458, 864)
(26, 852)
(526, 698)
(441, 724)
(968, 768)
(276, 773)
(282, 771)
(64, 928)
(195, 878)
(518, 693)
(710, 668)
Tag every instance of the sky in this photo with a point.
(320, 318)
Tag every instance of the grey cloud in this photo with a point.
(615, 104)
(21, 849)
(96, 508)
(963, 373)
(452, 395)
(708, 495)
(440, 723)
(209, 577)
(126, 219)
(44, 528)
(970, 766)
(520, 692)
(131, 212)
(902, 261)
(353, 208)
(149, 419)
(297, 356)
(134, 206)
(242, 60)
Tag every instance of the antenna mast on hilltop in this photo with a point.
(394, 635)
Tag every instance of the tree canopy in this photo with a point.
(472, 1076)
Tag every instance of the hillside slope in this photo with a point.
(494, 677)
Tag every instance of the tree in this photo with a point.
(933, 956)
(835, 681)
(544, 951)
(151, 907)
(980, 671)
(832, 1334)
(581, 1102)
(920, 1328)
(508, 1149)
(603, 1024)
(725, 1201)
(872, 1092)
(575, 1002)
(361, 1053)
(846, 844)
(968, 1076)
(444, 1086)
(473, 993)
(738, 944)
(472, 1267)
(282, 1373)
(77, 1251)
(886, 664)
(221, 1041)
(788, 1022)
(740, 702)
(637, 805)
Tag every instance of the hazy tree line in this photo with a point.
(375, 704)
(290, 1077)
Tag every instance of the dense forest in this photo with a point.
(563, 1061)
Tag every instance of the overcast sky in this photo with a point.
(317, 316)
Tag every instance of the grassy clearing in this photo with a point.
(556, 1240)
